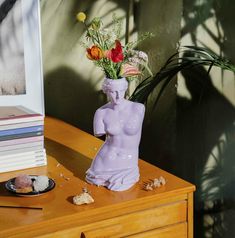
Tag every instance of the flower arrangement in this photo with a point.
(107, 52)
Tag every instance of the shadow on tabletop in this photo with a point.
(72, 160)
(3, 190)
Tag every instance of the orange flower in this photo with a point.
(94, 53)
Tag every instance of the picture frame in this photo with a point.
(33, 98)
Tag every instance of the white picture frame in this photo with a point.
(34, 96)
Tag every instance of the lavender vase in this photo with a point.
(115, 166)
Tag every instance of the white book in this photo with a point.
(20, 161)
(13, 148)
(21, 150)
(23, 161)
(23, 166)
(31, 154)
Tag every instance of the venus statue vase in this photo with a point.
(115, 166)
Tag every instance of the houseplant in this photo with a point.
(185, 57)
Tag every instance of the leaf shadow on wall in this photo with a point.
(201, 121)
(68, 96)
(158, 134)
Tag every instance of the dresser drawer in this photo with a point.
(173, 231)
(138, 222)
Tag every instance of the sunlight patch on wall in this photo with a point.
(210, 35)
(211, 170)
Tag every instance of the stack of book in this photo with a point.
(21, 139)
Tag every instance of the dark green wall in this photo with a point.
(205, 139)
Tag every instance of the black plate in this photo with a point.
(10, 186)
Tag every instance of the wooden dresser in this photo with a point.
(166, 212)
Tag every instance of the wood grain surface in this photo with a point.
(70, 152)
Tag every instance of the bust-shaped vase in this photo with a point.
(115, 166)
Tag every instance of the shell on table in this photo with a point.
(155, 183)
(83, 198)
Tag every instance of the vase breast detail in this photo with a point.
(115, 166)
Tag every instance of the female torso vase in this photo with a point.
(116, 163)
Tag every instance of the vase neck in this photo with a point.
(113, 85)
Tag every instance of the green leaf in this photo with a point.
(186, 57)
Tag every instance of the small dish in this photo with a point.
(10, 186)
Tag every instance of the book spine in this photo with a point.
(23, 161)
(14, 117)
(21, 140)
(19, 119)
(22, 135)
(19, 166)
(14, 148)
(22, 154)
(21, 130)
(21, 150)
(20, 160)
(17, 161)
(21, 125)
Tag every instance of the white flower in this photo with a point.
(108, 35)
(142, 55)
(137, 57)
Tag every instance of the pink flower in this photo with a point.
(115, 54)
(129, 70)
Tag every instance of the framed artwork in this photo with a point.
(21, 77)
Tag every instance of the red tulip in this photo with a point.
(115, 54)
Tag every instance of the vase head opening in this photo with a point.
(115, 89)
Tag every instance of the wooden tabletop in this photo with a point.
(69, 152)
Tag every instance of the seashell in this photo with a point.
(156, 183)
(148, 187)
(83, 198)
(162, 180)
